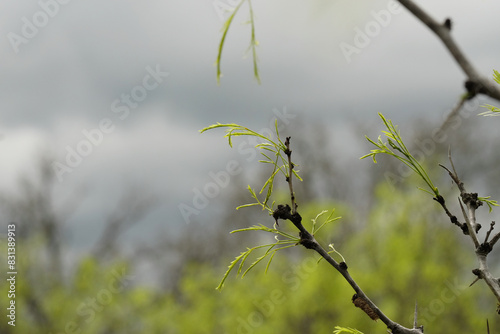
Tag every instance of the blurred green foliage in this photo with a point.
(405, 252)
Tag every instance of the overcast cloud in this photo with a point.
(73, 74)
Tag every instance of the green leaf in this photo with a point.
(493, 111)
(230, 268)
(225, 29)
(339, 330)
(395, 140)
(281, 164)
(253, 41)
(329, 219)
(496, 76)
(491, 203)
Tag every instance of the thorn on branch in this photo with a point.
(478, 273)
(473, 282)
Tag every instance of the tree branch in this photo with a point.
(308, 241)
(481, 249)
(475, 83)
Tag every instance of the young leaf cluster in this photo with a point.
(273, 153)
(328, 220)
(288, 241)
(276, 153)
(253, 41)
(493, 111)
(398, 150)
(271, 249)
(490, 202)
(340, 330)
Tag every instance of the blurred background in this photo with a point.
(123, 209)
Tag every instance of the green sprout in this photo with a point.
(493, 111)
(253, 41)
(289, 241)
(329, 219)
(339, 330)
(398, 150)
(268, 148)
(274, 152)
(490, 202)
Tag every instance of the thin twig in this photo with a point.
(481, 250)
(492, 226)
(415, 316)
(452, 114)
(452, 164)
(495, 239)
(288, 153)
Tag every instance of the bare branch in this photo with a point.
(451, 116)
(495, 239)
(492, 226)
(481, 250)
(131, 208)
(475, 83)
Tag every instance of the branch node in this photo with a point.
(307, 240)
(475, 280)
(439, 199)
(478, 273)
(343, 265)
(361, 302)
(472, 199)
(447, 23)
(484, 249)
(282, 212)
(473, 88)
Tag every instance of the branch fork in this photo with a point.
(360, 299)
(472, 203)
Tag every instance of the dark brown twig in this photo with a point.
(288, 153)
(308, 241)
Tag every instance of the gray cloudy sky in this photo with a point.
(142, 73)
